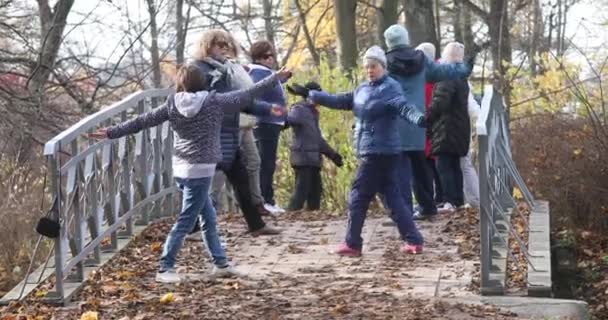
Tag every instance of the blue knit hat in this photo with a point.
(396, 35)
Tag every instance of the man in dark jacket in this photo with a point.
(412, 69)
(307, 146)
(449, 130)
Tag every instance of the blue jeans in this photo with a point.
(267, 135)
(450, 174)
(379, 174)
(195, 202)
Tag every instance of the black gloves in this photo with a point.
(303, 91)
(336, 158)
(298, 90)
(470, 60)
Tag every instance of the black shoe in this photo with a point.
(262, 211)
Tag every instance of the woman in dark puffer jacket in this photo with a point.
(450, 129)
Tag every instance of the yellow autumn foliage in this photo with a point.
(546, 85)
(321, 23)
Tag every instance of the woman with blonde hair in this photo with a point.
(213, 55)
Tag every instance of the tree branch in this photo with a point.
(476, 10)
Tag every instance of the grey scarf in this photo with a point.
(237, 78)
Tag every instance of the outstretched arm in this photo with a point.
(239, 100)
(446, 71)
(147, 120)
(259, 108)
(342, 101)
(405, 110)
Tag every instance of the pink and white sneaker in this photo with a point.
(412, 248)
(344, 250)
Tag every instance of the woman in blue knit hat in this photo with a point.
(377, 105)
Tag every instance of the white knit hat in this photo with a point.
(428, 49)
(375, 53)
(453, 52)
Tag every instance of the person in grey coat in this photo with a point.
(307, 146)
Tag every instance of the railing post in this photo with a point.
(141, 158)
(126, 198)
(157, 154)
(73, 187)
(91, 177)
(55, 170)
(167, 138)
(110, 193)
(485, 212)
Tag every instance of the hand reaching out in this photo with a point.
(277, 110)
(284, 74)
(99, 134)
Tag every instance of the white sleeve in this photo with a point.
(473, 107)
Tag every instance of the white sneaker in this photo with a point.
(446, 208)
(278, 209)
(169, 276)
(273, 209)
(226, 272)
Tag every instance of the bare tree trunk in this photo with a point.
(457, 22)
(309, 42)
(287, 54)
(387, 15)
(52, 23)
(537, 36)
(437, 20)
(347, 33)
(467, 29)
(498, 22)
(152, 10)
(420, 21)
(498, 27)
(268, 27)
(180, 32)
(560, 35)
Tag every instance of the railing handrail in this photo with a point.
(82, 126)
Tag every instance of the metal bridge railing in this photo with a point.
(497, 177)
(101, 189)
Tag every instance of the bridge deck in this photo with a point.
(295, 275)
